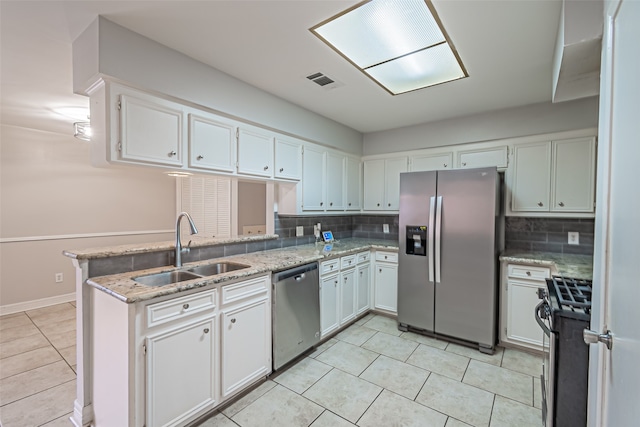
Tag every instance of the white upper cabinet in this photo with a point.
(531, 177)
(484, 157)
(382, 183)
(353, 193)
(288, 159)
(212, 143)
(255, 152)
(554, 177)
(313, 180)
(334, 175)
(431, 162)
(374, 185)
(573, 175)
(151, 130)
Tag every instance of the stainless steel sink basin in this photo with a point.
(162, 279)
(216, 268)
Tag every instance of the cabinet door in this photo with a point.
(531, 177)
(246, 334)
(329, 304)
(180, 373)
(347, 295)
(313, 167)
(386, 282)
(573, 175)
(483, 158)
(151, 130)
(335, 181)
(288, 159)
(255, 152)
(432, 162)
(354, 178)
(393, 168)
(363, 288)
(374, 181)
(212, 144)
(521, 324)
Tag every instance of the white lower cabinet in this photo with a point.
(520, 297)
(386, 281)
(168, 361)
(345, 291)
(363, 288)
(180, 372)
(245, 338)
(329, 320)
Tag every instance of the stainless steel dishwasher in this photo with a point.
(296, 313)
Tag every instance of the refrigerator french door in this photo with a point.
(447, 270)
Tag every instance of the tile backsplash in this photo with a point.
(549, 234)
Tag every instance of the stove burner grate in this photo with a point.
(573, 292)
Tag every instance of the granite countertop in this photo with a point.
(195, 241)
(122, 287)
(576, 266)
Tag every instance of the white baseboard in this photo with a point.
(39, 303)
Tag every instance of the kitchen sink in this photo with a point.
(162, 279)
(216, 268)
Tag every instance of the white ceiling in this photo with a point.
(506, 46)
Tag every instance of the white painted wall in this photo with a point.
(514, 122)
(140, 61)
(52, 196)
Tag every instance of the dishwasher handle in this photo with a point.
(298, 273)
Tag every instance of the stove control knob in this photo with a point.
(592, 337)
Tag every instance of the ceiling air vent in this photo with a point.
(324, 81)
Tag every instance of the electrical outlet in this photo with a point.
(319, 227)
(574, 238)
(59, 277)
(299, 231)
(385, 228)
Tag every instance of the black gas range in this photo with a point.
(563, 313)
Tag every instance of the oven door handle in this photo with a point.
(538, 310)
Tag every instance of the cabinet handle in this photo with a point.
(321, 203)
(206, 330)
(199, 157)
(540, 204)
(445, 165)
(330, 203)
(281, 169)
(233, 320)
(335, 283)
(528, 273)
(266, 167)
(380, 270)
(464, 163)
(172, 153)
(561, 204)
(388, 204)
(331, 266)
(385, 257)
(185, 306)
(349, 204)
(345, 280)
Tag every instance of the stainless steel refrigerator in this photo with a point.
(450, 236)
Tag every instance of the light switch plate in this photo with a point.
(573, 238)
(385, 228)
(299, 231)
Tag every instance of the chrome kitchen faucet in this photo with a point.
(179, 250)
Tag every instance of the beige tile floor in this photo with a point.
(368, 375)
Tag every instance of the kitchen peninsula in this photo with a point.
(130, 336)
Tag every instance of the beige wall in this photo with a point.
(51, 199)
(252, 200)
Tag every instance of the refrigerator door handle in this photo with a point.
(430, 238)
(438, 232)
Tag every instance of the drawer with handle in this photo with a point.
(177, 308)
(347, 261)
(528, 272)
(330, 266)
(387, 256)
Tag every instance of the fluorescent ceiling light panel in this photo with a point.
(398, 43)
